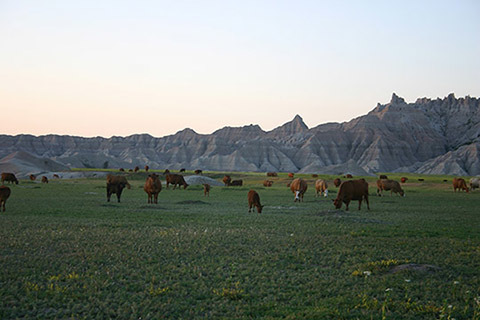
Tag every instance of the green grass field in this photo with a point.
(67, 253)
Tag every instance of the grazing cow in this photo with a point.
(116, 184)
(392, 185)
(337, 182)
(236, 183)
(321, 186)
(254, 200)
(130, 170)
(314, 175)
(227, 180)
(206, 189)
(9, 177)
(198, 171)
(474, 183)
(122, 170)
(166, 172)
(382, 176)
(403, 179)
(298, 187)
(146, 168)
(267, 183)
(460, 184)
(291, 175)
(272, 174)
(44, 179)
(421, 179)
(152, 187)
(136, 169)
(4, 194)
(56, 176)
(352, 190)
(288, 184)
(175, 179)
(348, 176)
(182, 170)
(32, 177)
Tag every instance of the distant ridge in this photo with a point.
(440, 136)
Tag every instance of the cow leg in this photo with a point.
(119, 194)
(368, 204)
(346, 204)
(109, 194)
(359, 204)
(155, 196)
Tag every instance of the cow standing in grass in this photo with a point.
(321, 187)
(9, 177)
(337, 182)
(298, 187)
(227, 180)
(352, 190)
(4, 194)
(254, 201)
(387, 184)
(460, 184)
(152, 187)
(474, 183)
(206, 190)
(116, 184)
(176, 179)
(44, 179)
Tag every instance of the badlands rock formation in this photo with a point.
(440, 136)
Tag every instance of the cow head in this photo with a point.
(337, 203)
(259, 209)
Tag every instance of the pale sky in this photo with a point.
(105, 68)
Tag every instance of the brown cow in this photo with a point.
(348, 176)
(314, 175)
(121, 169)
(175, 179)
(146, 168)
(267, 183)
(352, 190)
(198, 171)
(206, 189)
(32, 177)
(166, 172)
(116, 184)
(382, 176)
(272, 174)
(182, 170)
(136, 169)
(460, 184)
(56, 176)
(4, 194)
(227, 180)
(291, 175)
(236, 183)
(254, 200)
(392, 185)
(403, 179)
(321, 186)
(152, 187)
(337, 182)
(44, 179)
(298, 187)
(9, 177)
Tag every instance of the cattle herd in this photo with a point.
(348, 190)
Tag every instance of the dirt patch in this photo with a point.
(414, 267)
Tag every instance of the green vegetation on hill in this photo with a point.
(67, 253)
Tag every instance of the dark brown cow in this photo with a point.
(122, 170)
(352, 190)
(254, 201)
(337, 182)
(44, 179)
(136, 169)
(9, 177)
(291, 175)
(267, 183)
(206, 190)
(116, 184)
(236, 183)
(227, 180)
(166, 172)
(314, 175)
(321, 186)
(460, 184)
(272, 174)
(130, 170)
(182, 170)
(175, 179)
(152, 187)
(403, 179)
(198, 171)
(421, 179)
(392, 185)
(56, 176)
(147, 168)
(4, 194)
(32, 177)
(298, 187)
(382, 176)
(348, 176)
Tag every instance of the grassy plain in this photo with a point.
(67, 253)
